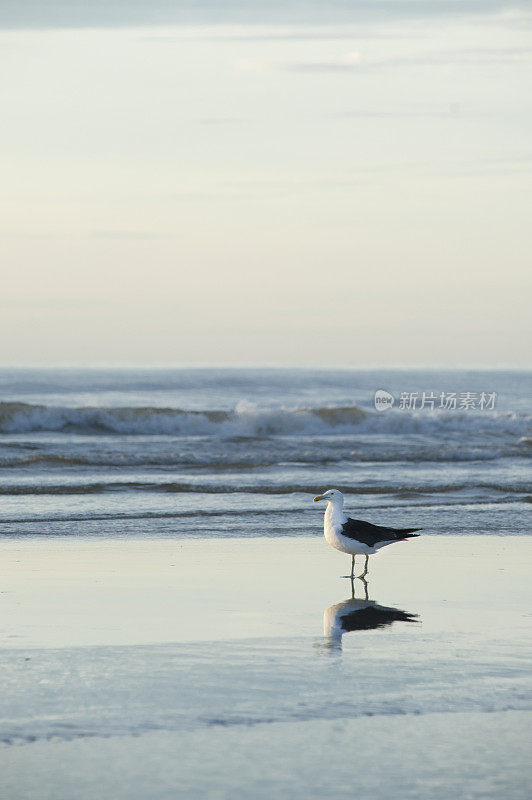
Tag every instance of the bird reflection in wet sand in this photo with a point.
(359, 614)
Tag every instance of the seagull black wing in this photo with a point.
(367, 619)
(369, 534)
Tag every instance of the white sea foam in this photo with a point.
(249, 420)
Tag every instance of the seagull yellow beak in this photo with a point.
(319, 497)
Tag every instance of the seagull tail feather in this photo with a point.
(407, 533)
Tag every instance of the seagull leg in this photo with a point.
(365, 572)
(352, 569)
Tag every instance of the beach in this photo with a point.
(175, 625)
(202, 669)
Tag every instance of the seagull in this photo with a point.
(354, 536)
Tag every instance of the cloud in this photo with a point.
(440, 112)
(348, 61)
(130, 13)
(220, 120)
(122, 234)
(355, 62)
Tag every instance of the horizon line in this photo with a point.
(106, 365)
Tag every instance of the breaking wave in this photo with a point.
(282, 489)
(247, 420)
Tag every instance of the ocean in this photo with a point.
(241, 452)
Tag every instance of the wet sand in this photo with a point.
(173, 668)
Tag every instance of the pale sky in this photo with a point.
(304, 184)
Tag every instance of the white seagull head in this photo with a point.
(332, 496)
